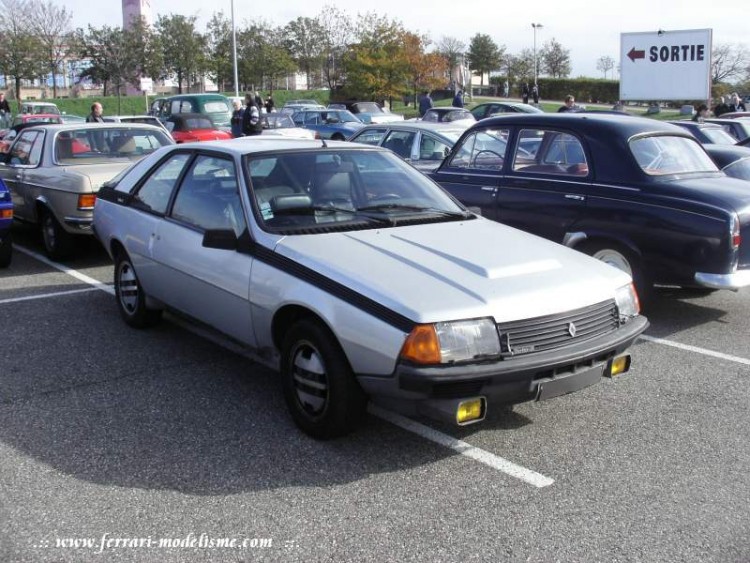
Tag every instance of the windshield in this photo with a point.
(739, 169)
(664, 154)
(718, 136)
(348, 189)
(101, 145)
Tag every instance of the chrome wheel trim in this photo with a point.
(127, 286)
(309, 378)
(615, 259)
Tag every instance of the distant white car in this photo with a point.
(358, 278)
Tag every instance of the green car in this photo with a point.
(218, 108)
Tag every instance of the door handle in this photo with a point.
(575, 197)
(488, 188)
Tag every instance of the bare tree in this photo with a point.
(338, 31)
(452, 49)
(729, 61)
(555, 59)
(605, 64)
(52, 26)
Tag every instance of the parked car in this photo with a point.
(734, 160)
(70, 118)
(737, 128)
(291, 109)
(357, 277)
(282, 125)
(39, 107)
(6, 219)
(491, 108)
(637, 193)
(424, 145)
(707, 133)
(336, 124)
(370, 112)
(147, 119)
(194, 127)
(214, 106)
(55, 171)
(448, 115)
(21, 122)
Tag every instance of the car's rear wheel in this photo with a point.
(58, 243)
(621, 258)
(338, 137)
(6, 251)
(319, 386)
(131, 299)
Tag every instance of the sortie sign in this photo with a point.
(666, 65)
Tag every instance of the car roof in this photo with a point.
(272, 143)
(434, 126)
(55, 127)
(696, 124)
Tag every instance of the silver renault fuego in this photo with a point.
(358, 278)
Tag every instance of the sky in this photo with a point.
(589, 30)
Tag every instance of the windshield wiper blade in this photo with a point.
(403, 207)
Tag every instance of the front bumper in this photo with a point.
(412, 389)
(734, 281)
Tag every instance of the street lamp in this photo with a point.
(535, 26)
(234, 55)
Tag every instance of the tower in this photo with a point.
(132, 10)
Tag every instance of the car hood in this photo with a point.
(458, 270)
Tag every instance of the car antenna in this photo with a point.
(322, 140)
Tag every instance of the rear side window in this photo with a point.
(550, 152)
(154, 193)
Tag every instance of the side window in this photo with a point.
(311, 119)
(400, 142)
(371, 137)
(154, 194)
(484, 150)
(26, 148)
(561, 153)
(431, 148)
(209, 197)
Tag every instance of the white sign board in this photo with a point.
(665, 65)
(147, 85)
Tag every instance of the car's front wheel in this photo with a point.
(622, 259)
(319, 386)
(58, 243)
(6, 251)
(131, 299)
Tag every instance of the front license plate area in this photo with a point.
(562, 385)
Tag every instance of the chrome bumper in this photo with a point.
(733, 281)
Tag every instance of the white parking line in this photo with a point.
(45, 295)
(689, 348)
(463, 448)
(73, 273)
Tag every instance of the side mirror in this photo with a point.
(222, 239)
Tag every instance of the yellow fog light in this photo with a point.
(621, 364)
(472, 410)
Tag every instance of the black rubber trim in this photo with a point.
(370, 306)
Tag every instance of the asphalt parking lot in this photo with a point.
(162, 445)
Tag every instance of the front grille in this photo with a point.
(457, 389)
(556, 331)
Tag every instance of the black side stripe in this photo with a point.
(334, 288)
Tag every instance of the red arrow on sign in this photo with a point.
(633, 54)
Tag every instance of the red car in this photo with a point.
(192, 127)
(22, 121)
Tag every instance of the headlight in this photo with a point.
(627, 301)
(443, 343)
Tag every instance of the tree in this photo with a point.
(20, 49)
(338, 33)
(51, 24)
(105, 48)
(426, 71)
(220, 52)
(555, 59)
(183, 48)
(729, 61)
(452, 49)
(305, 39)
(484, 55)
(263, 56)
(605, 64)
(144, 52)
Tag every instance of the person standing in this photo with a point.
(701, 113)
(525, 93)
(236, 120)
(5, 112)
(721, 107)
(96, 114)
(506, 89)
(251, 123)
(737, 103)
(569, 105)
(270, 106)
(458, 100)
(535, 94)
(425, 103)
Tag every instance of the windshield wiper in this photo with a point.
(420, 208)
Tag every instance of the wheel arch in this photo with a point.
(287, 316)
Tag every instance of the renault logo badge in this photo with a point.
(572, 330)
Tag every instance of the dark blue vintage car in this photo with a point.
(6, 218)
(634, 192)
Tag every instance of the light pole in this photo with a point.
(234, 55)
(535, 26)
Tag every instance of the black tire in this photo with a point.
(623, 259)
(319, 386)
(58, 243)
(6, 251)
(130, 297)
